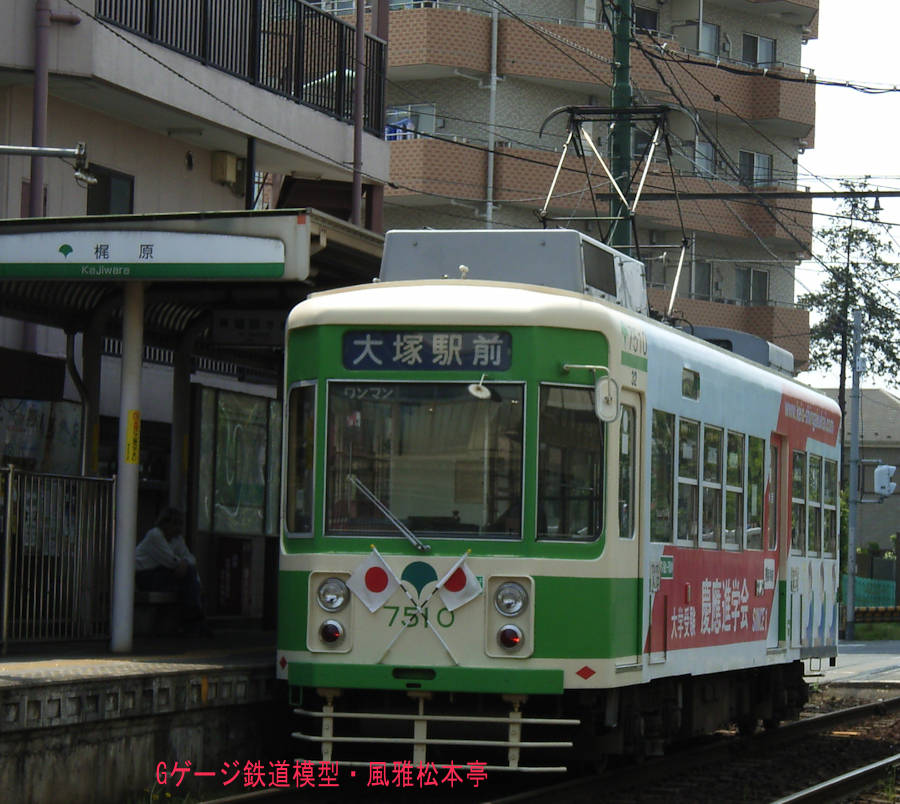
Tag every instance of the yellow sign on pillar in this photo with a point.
(133, 437)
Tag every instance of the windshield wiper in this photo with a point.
(414, 540)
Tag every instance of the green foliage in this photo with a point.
(869, 632)
(858, 274)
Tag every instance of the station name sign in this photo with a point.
(405, 350)
(128, 254)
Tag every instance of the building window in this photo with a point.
(645, 19)
(641, 140)
(704, 158)
(752, 285)
(702, 280)
(335, 6)
(759, 50)
(409, 122)
(113, 194)
(755, 168)
(709, 39)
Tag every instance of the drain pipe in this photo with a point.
(359, 89)
(492, 118)
(43, 17)
(39, 105)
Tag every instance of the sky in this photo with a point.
(856, 133)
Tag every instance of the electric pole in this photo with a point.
(622, 98)
(853, 490)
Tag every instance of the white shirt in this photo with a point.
(155, 550)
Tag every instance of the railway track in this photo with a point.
(846, 748)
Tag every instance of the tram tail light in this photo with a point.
(331, 632)
(510, 637)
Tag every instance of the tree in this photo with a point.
(858, 274)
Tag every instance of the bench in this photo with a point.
(155, 613)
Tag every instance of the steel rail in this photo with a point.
(846, 784)
(660, 769)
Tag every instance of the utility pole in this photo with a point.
(622, 98)
(854, 477)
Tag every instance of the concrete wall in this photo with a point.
(162, 180)
(119, 74)
(99, 740)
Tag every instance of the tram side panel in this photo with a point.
(740, 572)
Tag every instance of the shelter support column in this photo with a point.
(181, 417)
(91, 344)
(129, 451)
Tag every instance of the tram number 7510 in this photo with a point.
(413, 617)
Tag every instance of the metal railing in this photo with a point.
(57, 556)
(285, 46)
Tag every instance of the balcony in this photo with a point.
(433, 43)
(787, 327)
(284, 46)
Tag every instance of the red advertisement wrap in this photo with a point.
(715, 597)
(707, 597)
(800, 420)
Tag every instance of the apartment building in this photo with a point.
(740, 113)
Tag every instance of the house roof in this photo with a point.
(879, 416)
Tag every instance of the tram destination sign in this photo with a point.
(130, 254)
(426, 350)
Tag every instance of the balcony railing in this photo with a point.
(285, 46)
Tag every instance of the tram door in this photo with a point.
(629, 546)
(777, 542)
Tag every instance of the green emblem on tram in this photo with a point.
(418, 574)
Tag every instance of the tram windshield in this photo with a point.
(440, 459)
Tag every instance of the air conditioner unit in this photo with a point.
(224, 167)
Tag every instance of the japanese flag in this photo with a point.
(373, 581)
(459, 585)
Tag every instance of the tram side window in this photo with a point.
(734, 491)
(570, 466)
(626, 472)
(688, 488)
(301, 439)
(814, 506)
(798, 501)
(829, 504)
(662, 472)
(756, 457)
(712, 486)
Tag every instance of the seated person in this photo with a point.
(163, 563)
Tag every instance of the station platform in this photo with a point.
(863, 669)
(96, 724)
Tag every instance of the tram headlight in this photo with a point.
(510, 599)
(332, 594)
(331, 631)
(510, 637)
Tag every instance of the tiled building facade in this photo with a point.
(746, 112)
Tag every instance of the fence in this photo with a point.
(284, 46)
(57, 556)
(869, 592)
